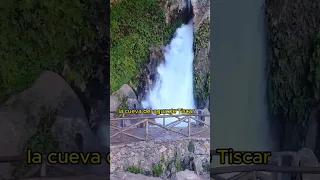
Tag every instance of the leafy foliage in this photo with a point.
(177, 162)
(135, 26)
(202, 36)
(293, 80)
(157, 169)
(35, 36)
(202, 73)
(134, 169)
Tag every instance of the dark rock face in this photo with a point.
(149, 74)
(198, 12)
(188, 11)
(292, 30)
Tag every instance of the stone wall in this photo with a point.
(146, 153)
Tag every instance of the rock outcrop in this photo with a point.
(126, 98)
(201, 10)
(125, 95)
(22, 114)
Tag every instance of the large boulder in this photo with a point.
(21, 115)
(126, 96)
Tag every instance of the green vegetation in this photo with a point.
(202, 73)
(294, 74)
(35, 36)
(134, 169)
(81, 68)
(202, 85)
(164, 160)
(122, 106)
(202, 36)
(135, 26)
(157, 169)
(43, 141)
(177, 162)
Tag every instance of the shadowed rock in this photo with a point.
(20, 117)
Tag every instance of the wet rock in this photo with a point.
(150, 74)
(201, 10)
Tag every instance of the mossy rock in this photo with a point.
(202, 35)
(202, 62)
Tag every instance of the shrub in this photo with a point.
(35, 36)
(133, 169)
(135, 26)
(157, 169)
(294, 71)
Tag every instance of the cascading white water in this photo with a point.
(174, 86)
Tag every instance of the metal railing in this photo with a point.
(146, 120)
(275, 166)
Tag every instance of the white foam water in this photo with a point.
(174, 86)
